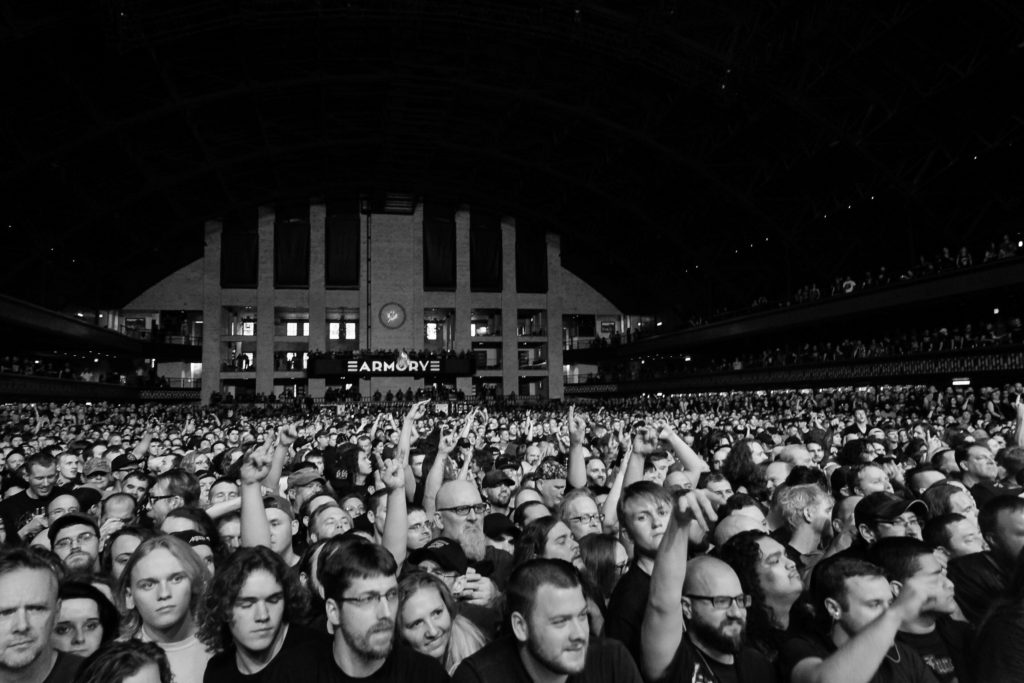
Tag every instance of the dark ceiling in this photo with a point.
(692, 154)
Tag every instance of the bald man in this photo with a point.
(713, 614)
(734, 524)
(459, 515)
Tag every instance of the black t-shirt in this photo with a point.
(499, 662)
(693, 666)
(64, 669)
(626, 608)
(944, 650)
(901, 664)
(313, 662)
(20, 509)
(222, 667)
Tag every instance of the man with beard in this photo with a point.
(498, 490)
(550, 638)
(597, 475)
(76, 540)
(855, 641)
(459, 516)
(713, 614)
(28, 610)
(361, 589)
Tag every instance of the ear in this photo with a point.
(129, 602)
(962, 465)
(808, 514)
(896, 587)
(438, 521)
(371, 517)
(333, 612)
(866, 532)
(687, 605)
(519, 627)
(295, 526)
(833, 609)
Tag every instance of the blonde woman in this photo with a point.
(428, 620)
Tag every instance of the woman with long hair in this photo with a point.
(87, 620)
(429, 621)
(605, 560)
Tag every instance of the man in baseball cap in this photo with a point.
(497, 488)
(885, 515)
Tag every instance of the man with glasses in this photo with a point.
(459, 516)
(173, 489)
(703, 641)
(579, 512)
(361, 590)
(886, 515)
(75, 538)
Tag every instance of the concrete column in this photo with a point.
(317, 291)
(265, 304)
(212, 311)
(556, 387)
(463, 295)
(509, 309)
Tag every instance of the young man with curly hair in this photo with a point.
(249, 615)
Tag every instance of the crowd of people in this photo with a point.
(870, 535)
(1006, 331)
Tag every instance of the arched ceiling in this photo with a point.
(692, 154)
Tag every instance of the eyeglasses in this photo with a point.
(725, 601)
(622, 567)
(370, 599)
(587, 519)
(81, 539)
(464, 510)
(153, 499)
(901, 523)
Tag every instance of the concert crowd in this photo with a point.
(834, 535)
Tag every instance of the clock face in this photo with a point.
(392, 316)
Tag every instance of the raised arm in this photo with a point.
(1019, 431)
(662, 629)
(286, 436)
(255, 529)
(858, 659)
(611, 502)
(577, 474)
(435, 477)
(693, 464)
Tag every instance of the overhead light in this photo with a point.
(961, 381)
(995, 311)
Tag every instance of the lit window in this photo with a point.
(291, 329)
(248, 329)
(431, 331)
(350, 331)
(334, 330)
(305, 329)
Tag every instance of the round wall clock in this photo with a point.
(392, 316)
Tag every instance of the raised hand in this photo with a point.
(695, 506)
(391, 472)
(577, 427)
(255, 467)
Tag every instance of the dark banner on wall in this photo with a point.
(390, 365)
(531, 261)
(239, 251)
(484, 252)
(291, 246)
(438, 246)
(342, 244)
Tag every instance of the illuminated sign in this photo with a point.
(390, 366)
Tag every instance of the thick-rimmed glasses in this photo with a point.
(725, 601)
(80, 540)
(464, 510)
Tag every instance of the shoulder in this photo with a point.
(65, 668)
(498, 660)
(406, 664)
